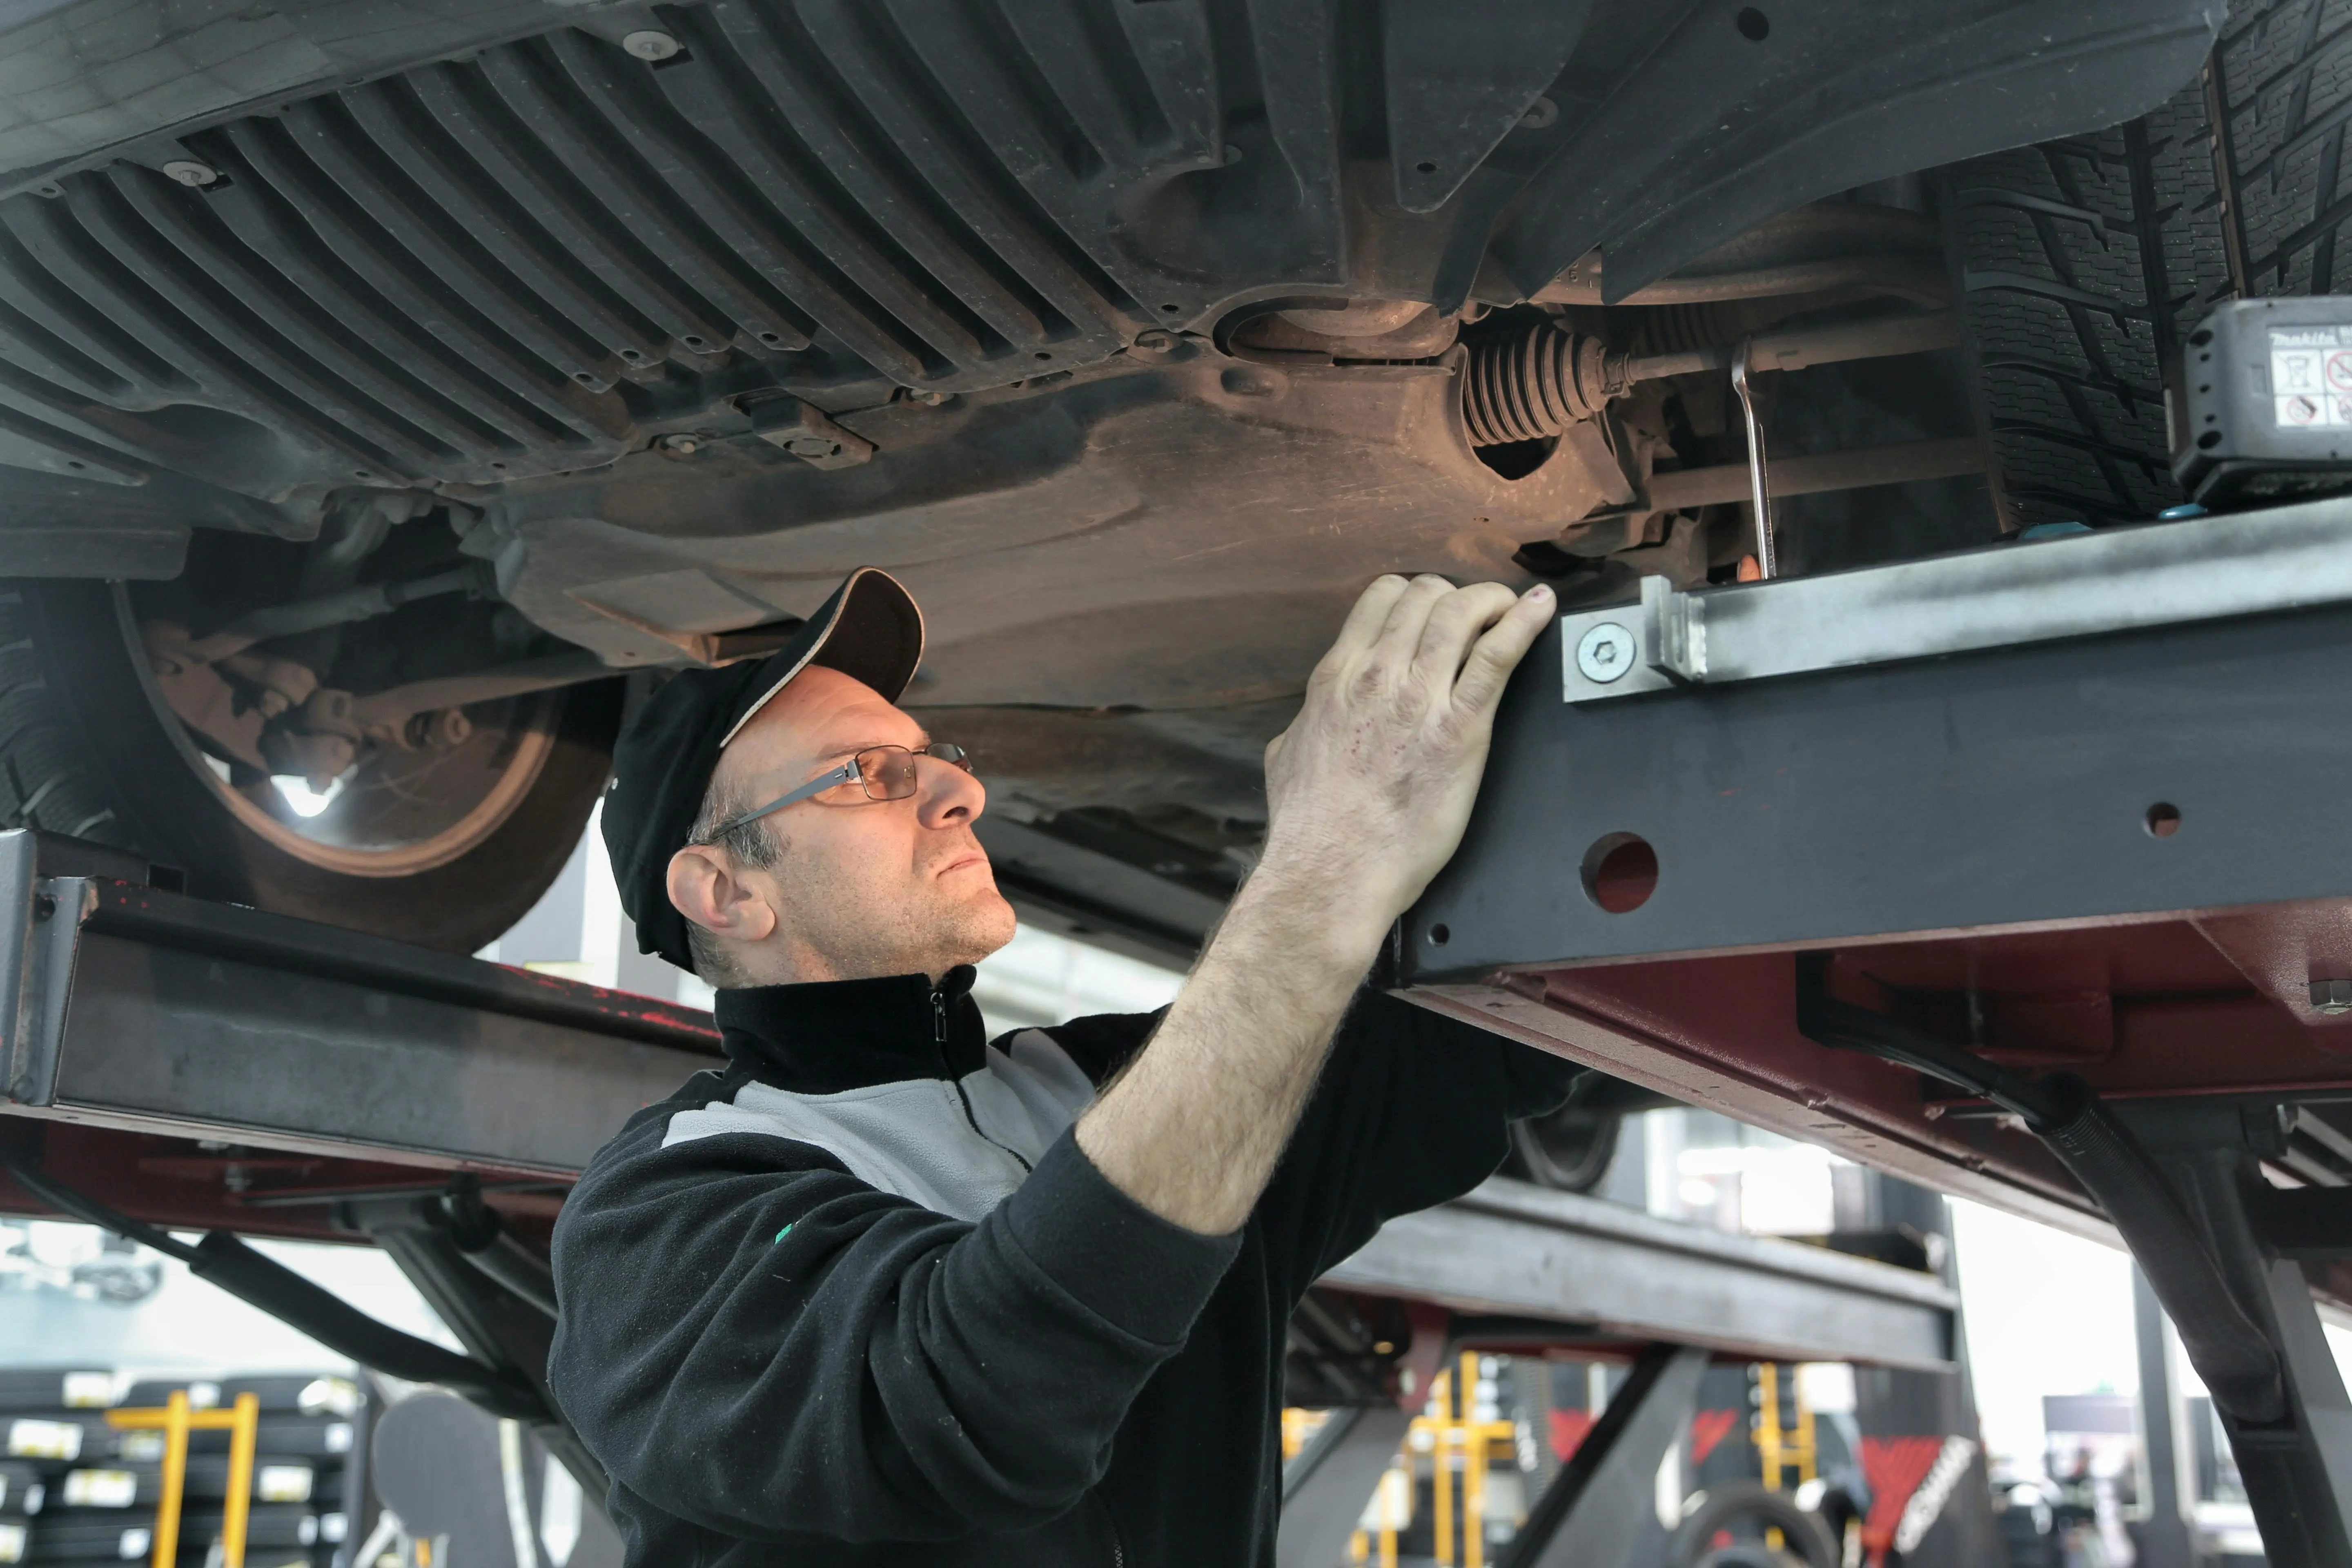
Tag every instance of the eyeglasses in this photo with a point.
(885, 773)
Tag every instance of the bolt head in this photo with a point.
(680, 444)
(1155, 342)
(812, 447)
(1604, 653)
(651, 45)
(2332, 997)
(190, 173)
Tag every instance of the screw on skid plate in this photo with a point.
(2331, 996)
(651, 45)
(680, 444)
(190, 173)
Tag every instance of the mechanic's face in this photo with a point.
(860, 887)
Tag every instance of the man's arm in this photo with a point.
(761, 1343)
(1369, 790)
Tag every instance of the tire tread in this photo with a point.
(46, 780)
(2083, 262)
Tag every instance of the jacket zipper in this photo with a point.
(1118, 1546)
(939, 1039)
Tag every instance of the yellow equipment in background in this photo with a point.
(176, 1419)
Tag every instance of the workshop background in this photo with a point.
(89, 1325)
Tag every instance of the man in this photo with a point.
(882, 1292)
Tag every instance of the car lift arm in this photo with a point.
(2228, 1350)
(260, 1281)
(2067, 800)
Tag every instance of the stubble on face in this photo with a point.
(858, 893)
(849, 920)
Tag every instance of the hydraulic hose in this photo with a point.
(260, 1281)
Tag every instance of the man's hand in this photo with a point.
(1369, 788)
(1371, 785)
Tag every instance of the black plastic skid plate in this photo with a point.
(1988, 789)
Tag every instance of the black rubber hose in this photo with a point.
(260, 1281)
(2235, 1358)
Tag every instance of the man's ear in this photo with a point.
(705, 889)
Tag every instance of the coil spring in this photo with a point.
(1536, 385)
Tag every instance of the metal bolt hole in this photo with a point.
(1620, 872)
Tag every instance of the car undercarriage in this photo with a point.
(405, 378)
(392, 395)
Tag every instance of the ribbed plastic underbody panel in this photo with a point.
(503, 264)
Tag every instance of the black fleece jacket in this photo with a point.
(861, 1300)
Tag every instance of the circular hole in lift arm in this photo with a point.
(1620, 872)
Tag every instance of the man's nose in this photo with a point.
(945, 795)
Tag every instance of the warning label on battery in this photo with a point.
(2311, 375)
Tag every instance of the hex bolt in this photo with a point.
(679, 443)
(923, 397)
(1604, 653)
(2333, 997)
(191, 173)
(1155, 342)
(651, 45)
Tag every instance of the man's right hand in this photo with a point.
(1369, 789)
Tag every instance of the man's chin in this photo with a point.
(981, 925)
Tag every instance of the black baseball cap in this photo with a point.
(870, 629)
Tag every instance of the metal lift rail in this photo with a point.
(2022, 872)
(194, 1064)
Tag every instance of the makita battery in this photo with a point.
(2264, 404)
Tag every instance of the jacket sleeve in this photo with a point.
(765, 1345)
(1411, 1111)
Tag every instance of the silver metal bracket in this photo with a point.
(2129, 579)
(40, 924)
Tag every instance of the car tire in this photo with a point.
(88, 750)
(2082, 263)
(1805, 1541)
(1568, 1149)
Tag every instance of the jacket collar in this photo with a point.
(825, 1036)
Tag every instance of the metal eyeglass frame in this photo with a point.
(847, 772)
